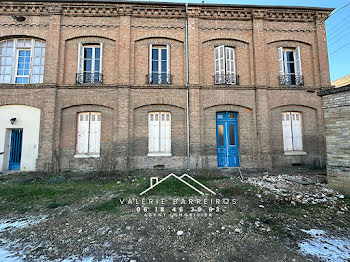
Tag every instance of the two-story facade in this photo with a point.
(110, 85)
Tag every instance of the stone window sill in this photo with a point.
(86, 155)
(294, 153)
(159, 154)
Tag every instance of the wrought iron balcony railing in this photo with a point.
(159, 79)
(226, 79)
(291, 80)
(89, 78)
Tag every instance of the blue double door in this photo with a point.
(16, 149)
(227, 139)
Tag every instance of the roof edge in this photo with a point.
(334, 90)
(328, 9)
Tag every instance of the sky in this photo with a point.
(337, 26)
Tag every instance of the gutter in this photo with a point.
(187, 94)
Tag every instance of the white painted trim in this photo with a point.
(86, 156)
(158, 154)
(294, 153)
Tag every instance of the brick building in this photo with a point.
(336, 106)
(127, 85)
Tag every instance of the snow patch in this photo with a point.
(324, 247)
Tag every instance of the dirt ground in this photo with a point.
(101, 217)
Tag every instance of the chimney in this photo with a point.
(154, 179)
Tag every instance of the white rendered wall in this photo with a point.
(28, 119)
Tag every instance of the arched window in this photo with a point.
(22, 61)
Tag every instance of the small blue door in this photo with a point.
(227, 139)
(16, 149)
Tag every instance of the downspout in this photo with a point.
(187, 94)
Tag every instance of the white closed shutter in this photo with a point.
(153, 132)
(230, 65)
(80, 58)
(219, 59)
(101, 57)
(95, 133)
(168, 63)
(287, 131)
(150, 63)
(83, 133)
(297, 63)
(281, 65)
(165, 132)
(296, 131)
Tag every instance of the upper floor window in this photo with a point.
(159, 134)
(90, 63)
(22, 61)
(292, 131)
(159, 65)
(225, 65)
(290, 66)
(88, 134)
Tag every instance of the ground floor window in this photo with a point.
(159, 134)
(88, 134)
(292, 131)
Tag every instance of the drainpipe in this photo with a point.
(187, 95)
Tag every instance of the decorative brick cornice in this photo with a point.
(23, 25)
(163, 10)
(158, 27)
(290, 30)
(225, 29)
(89, 26)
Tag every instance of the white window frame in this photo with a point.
(81, 61)
(282, 58)
(150, 64)
(159, 133)
(16, 66)
(292, 129)
(225, 65)
(96, 133)
(15, 57)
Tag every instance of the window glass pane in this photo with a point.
(155, 66)
(27, 43)
(155, 54)
(164, 55)
(231, 128)
(35, 79)
(164, 66)
(36, 61)
(8, 61)
(87, 52)
(97, 65)
(7, 79)
(151, 117)
(20, 43)
(87, 66)
(37, 51)
(221, 135)
(290, 56)
(156, 117)
(9, 51)
(8, 70)
(97, 52)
